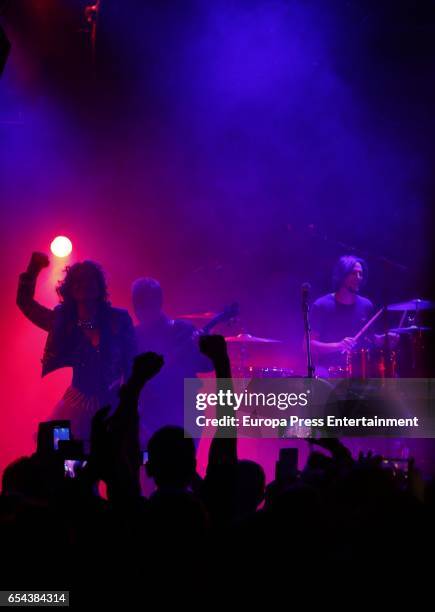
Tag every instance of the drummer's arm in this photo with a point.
(325, 348)
(317, 324)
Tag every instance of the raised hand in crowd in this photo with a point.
(219, 488)
(339, 452)
(215, 348)
(115, 451)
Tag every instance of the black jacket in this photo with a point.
(95, 370)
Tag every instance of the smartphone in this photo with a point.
(72, 467)
(287, 465)
(50, 433)
(144, 457)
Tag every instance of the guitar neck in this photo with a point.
(207, 328)
(226, 315)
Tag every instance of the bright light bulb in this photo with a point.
(61, 246)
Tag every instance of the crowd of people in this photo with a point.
(61, 533)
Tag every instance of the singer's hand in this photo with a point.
(347, 344)
(37, 262)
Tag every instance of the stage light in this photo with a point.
(61, 246)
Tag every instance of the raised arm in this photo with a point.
(223, 449)
(35, 312)
(115, 454)
(219, 489)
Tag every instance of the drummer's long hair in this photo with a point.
(344, 266)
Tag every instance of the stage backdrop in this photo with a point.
(230, 149)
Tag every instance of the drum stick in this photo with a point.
(368, 324)
(402, 318)
(365, 328)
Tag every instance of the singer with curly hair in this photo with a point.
(86, 333)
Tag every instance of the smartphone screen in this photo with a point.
(72, 467)
(60, 433)
(144, 457)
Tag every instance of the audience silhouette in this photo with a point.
(59, 532)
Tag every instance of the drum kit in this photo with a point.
(404, 351)
(400, 352)
(243, 346)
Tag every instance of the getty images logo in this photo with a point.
(231, 399)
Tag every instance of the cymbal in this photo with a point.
(198, 316)
(409, 330)
(415, 304)
(247, 338)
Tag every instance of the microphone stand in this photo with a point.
(307, 329)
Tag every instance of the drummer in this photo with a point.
(337, 317)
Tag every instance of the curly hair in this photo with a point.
(64, 287)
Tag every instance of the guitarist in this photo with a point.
(163, 399)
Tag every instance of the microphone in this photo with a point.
(305, 290)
